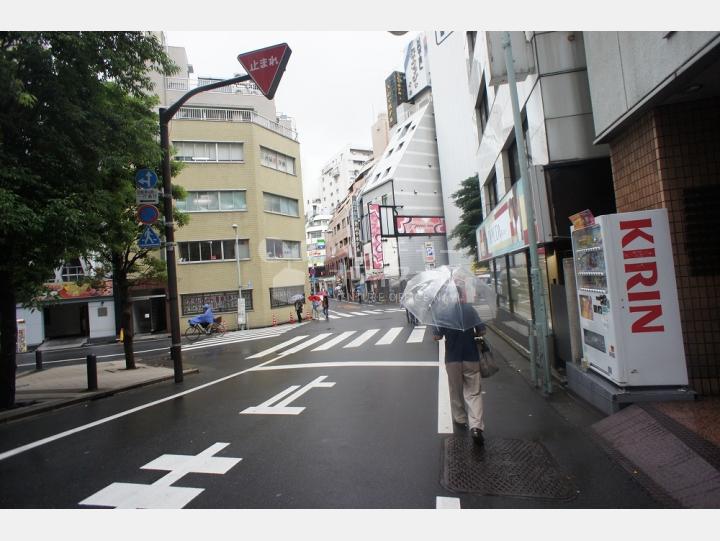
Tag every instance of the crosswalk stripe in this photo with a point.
(330, 343)
(338, 314)
(417, 335)
(205, 344)
(305, 344)
(389, 336)
(277, 347)
(358, 313)
(361, 339)
(368, 312)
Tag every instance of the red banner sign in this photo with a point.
(420, 225)
(376, 237)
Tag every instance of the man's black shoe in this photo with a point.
(477, 435)
(461, 426)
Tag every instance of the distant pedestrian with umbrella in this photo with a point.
(315, 300)
(298, 301)
(438, 297)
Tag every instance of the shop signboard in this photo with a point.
(376, 237)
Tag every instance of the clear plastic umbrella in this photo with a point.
(297, 297)
(442, 297)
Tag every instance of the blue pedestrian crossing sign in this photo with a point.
(148, 238)
(145, 178)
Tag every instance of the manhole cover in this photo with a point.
(503, 467)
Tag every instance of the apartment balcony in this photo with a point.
(222, 114)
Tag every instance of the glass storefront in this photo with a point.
(520, 285)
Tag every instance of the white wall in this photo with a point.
(101, 326)
(34, 327)
(457, 139)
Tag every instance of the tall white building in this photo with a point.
(457, 139)
(338, 174)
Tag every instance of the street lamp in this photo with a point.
(241, 302)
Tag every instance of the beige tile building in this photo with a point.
(242, 167)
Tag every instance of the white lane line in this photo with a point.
(343, 364)
(444, 415)
(389, 336)
(361, 339)
(305, 344)
(330, 343)
(338, 314)
(417, 335)
(442, 502)
(279, 346)
(82, 428)
(358, 313)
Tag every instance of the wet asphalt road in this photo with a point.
(324, 426)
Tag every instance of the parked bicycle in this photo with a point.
(196, 331)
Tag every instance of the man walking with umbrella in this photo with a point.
(462, 364)
(438, 297)
(298, 301)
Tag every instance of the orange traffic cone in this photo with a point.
(274, 320)
(292, 318)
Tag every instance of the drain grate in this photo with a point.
(503, 467)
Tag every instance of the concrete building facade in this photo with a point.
(337, 175)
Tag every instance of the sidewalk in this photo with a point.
(672, 449)
(44, 390)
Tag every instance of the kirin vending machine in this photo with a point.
(627, 295)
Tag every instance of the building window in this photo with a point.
(513, 162)
(275, 160)
(212, 250)
(281, 205)
(72, 271)
(213, 201)
(491, 198)
(282, 249)
(200, 151)
(280, 296)
(481, 111)
(220, 301)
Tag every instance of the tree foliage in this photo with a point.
(467, 199)
(68, 101)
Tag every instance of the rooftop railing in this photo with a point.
(223, 114)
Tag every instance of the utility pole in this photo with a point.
(539, 326)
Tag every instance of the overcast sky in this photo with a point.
(333, 86)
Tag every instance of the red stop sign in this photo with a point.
(266, 66)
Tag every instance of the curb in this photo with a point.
(49, 405)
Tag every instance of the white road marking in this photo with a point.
(305, 344)
(82, 428)
(442, 502)
(417, 335)
(343, 364)
(279, 346)
(282, 408)
(360, 340)
(330, 343)
(160, 494)
(338, 314)
(389, 336)
(358, 313)
(444, 425)
(370, 312)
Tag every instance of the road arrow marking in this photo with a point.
(281, 408)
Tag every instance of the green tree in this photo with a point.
(60, 138)
(467, 199)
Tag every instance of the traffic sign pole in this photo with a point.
(271, 71)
